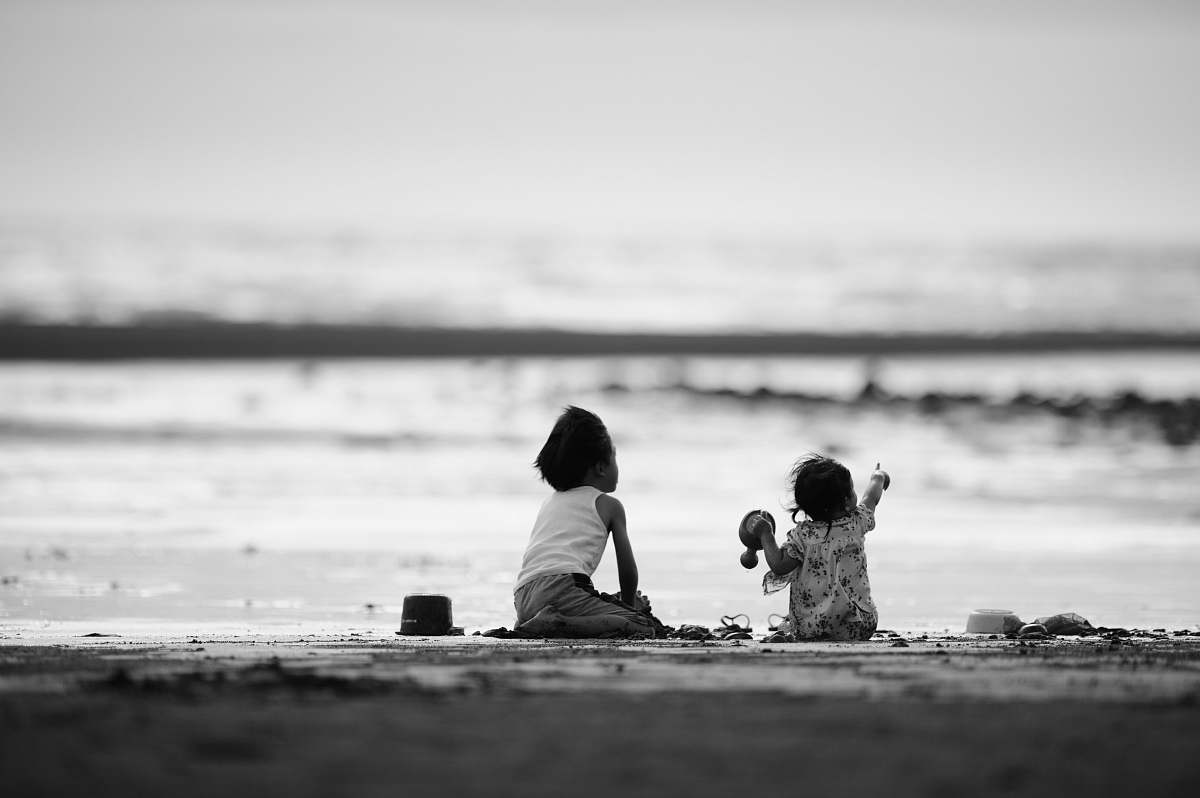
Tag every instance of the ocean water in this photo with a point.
(298, 496)
(133, 273)
(315, 495)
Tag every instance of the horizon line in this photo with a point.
(205, 340)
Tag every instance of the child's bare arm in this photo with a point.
(777, 561)
(612, 512)
(878, 484)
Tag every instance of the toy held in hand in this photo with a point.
(749, 538)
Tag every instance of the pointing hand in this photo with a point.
(879, 472)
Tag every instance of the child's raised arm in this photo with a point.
(878, 484)
(612, 513)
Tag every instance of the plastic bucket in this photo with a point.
(426, 614)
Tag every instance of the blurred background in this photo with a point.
(958, 239)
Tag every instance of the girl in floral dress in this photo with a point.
(823, 560)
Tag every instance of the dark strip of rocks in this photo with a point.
(1176, 420)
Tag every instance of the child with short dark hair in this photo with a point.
(554, 595)
(823, 560)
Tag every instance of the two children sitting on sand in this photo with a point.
(822, 561)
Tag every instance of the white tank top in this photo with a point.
(568, 536)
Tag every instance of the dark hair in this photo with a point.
(578, 441)
(820, 487)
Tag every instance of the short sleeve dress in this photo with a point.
(830, 596)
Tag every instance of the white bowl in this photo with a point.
(992, 622)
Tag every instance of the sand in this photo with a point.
(347, 715)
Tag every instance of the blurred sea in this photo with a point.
(303, 495)
(108, 273)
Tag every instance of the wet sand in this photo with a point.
(352, 715)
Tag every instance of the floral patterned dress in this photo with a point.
(830, 595)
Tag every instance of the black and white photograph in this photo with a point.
(599, 397)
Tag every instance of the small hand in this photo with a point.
(760, 526)
(880, 473)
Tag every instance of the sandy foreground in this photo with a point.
(352, 715)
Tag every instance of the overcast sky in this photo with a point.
(785, 118)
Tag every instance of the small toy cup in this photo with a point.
(992, 622)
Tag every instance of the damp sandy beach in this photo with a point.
(380, 715)
(204, 566)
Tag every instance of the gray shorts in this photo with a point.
(573, 596)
